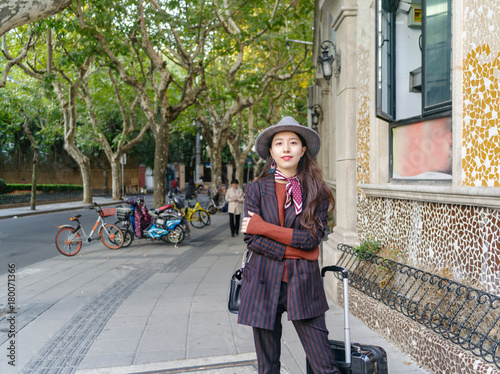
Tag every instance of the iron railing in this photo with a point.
(466, 316)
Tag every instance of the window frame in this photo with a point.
(391, 116)
(427, 113)
(440, 107)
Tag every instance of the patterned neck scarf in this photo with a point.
(293, 190)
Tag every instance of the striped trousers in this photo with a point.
(312, 333)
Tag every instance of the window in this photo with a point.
(385, 61)
(413, 72)
(413, 58)
(437, 55)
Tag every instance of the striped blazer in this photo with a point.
(263, 272)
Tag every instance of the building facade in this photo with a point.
(412, 116)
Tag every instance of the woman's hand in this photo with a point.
(245, 222)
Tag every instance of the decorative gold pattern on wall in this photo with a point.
(363, 112)
(363, 142)
(481, 127)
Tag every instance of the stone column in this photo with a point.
(343, 109)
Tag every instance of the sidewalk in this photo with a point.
(148, 308)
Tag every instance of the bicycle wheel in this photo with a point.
(68, 241)
(200, 218)
(211, 208)
(112, 236)
(127, 238)
(126, 230)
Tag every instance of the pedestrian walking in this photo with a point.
(190, 191)
(286, 213)
(234, 198)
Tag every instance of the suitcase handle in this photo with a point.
(347, 329)
(334, 268)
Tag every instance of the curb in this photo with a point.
(54, 209)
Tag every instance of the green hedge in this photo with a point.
(11, 187)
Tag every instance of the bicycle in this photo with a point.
(196, 215)
(69, 238)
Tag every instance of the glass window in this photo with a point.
(413, 59)
(437, 54)
(385, 60)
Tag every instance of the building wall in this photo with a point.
(452, 230)
(460, 241)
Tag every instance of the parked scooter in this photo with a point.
(217, 202)
(161, 224)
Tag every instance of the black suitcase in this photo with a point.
(353, 358)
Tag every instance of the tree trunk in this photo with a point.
(161, 162)
(216, 166)
(105, 189)
(33, 186)
(238, 174)
(116, 180)
(84, 164)
(36, 159)
(15, 13)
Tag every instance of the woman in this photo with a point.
(286, 212)
(190, 191)
(234, 198)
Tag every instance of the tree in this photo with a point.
(64, 76)
(30, 118)
(253, 38)
(167, 42)
(122, 141)
(15, 13)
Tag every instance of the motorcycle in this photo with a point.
(162, 224)
(217, 202)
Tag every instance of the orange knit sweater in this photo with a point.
(258, 226)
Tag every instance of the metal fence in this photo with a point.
(466, 316)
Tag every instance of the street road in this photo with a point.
(31, 239)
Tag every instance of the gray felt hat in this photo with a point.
(311, 137)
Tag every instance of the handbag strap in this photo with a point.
(246, 257)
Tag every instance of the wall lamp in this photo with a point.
(315, 116)
(326, 61)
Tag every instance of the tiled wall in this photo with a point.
(458, 242)
(481, 94)
(429, 349)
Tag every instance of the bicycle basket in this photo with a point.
(107, 212)
(123, 213)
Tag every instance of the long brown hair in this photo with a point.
(312, 183)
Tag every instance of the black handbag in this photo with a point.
(234, 292)
(235, 286)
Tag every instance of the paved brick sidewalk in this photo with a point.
(147, 308)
